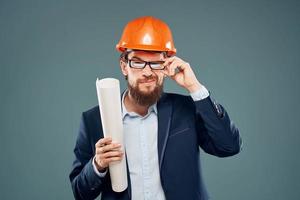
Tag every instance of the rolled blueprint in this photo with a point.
(109, 98)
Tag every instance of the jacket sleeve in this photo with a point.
(86, 184)
(217, 133)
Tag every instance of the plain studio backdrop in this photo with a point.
(245, 52)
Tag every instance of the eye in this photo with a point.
(137, 64)
(157, 65)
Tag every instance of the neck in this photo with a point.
(132, 106)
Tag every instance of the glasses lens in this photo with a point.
(157, 65)
(137, 64)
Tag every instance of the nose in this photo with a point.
(147, 71)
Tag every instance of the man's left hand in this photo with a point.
(181, 72)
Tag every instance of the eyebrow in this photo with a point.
(137, 58)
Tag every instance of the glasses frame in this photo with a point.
(146, 63)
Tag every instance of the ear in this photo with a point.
(123, 66)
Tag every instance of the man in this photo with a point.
(162, 131)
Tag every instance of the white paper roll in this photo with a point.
(109, 98)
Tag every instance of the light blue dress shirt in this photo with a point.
(142, 156)
(140, 140)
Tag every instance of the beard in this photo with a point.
(145, 98)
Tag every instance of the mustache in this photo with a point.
(146, 79)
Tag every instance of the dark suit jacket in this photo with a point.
(183, 126)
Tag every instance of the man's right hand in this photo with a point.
(107, 152)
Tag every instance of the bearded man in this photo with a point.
(162, 131)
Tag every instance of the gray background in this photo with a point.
(245, 52)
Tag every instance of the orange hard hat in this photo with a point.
(147, 33)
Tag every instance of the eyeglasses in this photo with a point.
(139, 64)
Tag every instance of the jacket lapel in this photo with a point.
(164, 109)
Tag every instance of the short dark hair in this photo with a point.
(124, 56)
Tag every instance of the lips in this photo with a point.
(147, 81)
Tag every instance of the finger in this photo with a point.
(172, 67)
(112, 154)
(109, 147)
(112, 159)
(165, 72)
(168, 71)
(103, 141)
(101, 151)
(105, 161)
(168, 61)
(171, 59)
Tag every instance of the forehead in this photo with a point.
(146, 55)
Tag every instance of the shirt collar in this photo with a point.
(153, 107)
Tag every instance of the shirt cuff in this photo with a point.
(200, 94)
(100, 174)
